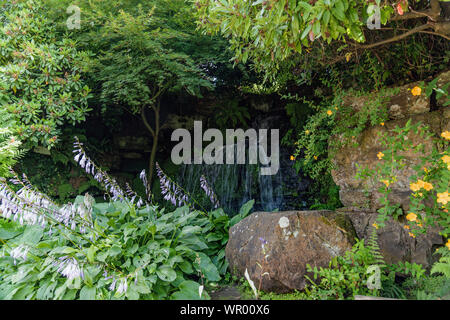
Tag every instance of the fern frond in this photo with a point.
(375, 251)
(442, 266)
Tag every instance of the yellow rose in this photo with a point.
(443, 197)
(415, 186)
(380, 155)
(446, 160)
(448, 244)
(411, 216)
(427, 186)
(329, 112)
(416, 91)
(446, 135)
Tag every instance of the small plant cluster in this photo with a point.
(346, 276)
(127, 248)
(331, 125)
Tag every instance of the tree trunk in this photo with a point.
(155, 135)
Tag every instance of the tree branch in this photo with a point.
(440, 29)
(396, 38)
(432, 13)
(435, 34)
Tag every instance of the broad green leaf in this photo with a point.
(207, 268)
(166, 273)
(87, 293)
(189, 290)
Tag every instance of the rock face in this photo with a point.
(402, 106)
(295, 239)
(356, 193)
(395, 243)
(400, 102)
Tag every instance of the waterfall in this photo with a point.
(234, 185)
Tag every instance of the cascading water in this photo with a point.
(235, 184)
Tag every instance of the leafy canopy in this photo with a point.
(271, 31)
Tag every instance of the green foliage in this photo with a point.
(443, 265)
(324, 124)
(145, 51)
(429, 184)
(373, 246)
(361, 271)
(427, 288)
(232, 115)
(294, 33)
(344, 278)
(137, 65)
(324, 194)
(114, 250)
(40, 74)
(57, 174)
(406, 268)
(9, 145)
(273, 30)
(158, 254)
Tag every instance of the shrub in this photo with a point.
(127, 248)
(40, 74)
(126, 253)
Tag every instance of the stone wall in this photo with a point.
(361, 198)
(402, 107)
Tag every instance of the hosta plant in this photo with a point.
(127, 248)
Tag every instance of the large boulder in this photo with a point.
(396, 245)
(294, 239)
(364, 194)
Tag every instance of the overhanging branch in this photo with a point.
(396, 38)
(432, 13)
